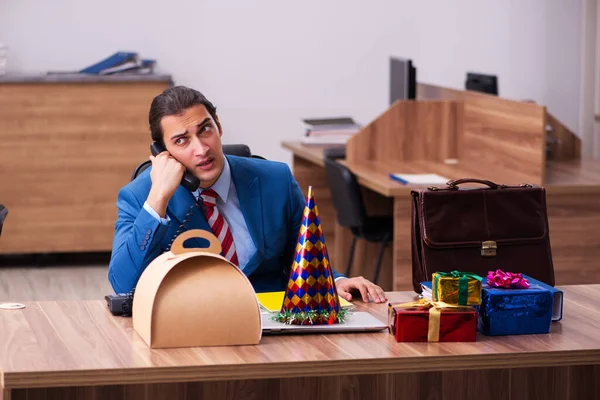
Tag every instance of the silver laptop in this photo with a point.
(358, 321)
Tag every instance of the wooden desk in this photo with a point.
(69, 143)
(79, 350)
(572, 201)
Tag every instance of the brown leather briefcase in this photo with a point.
(480, 229)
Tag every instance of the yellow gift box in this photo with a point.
(461, 288)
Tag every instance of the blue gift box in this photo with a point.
(557, 295)
(515, 311)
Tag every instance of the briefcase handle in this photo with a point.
(453, 184)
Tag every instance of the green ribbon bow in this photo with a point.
(463, 284)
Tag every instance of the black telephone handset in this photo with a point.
(189, 181)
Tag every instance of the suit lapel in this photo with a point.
(247, 187)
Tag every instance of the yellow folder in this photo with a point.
(272, 301)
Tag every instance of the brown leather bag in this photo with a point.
(480, 229)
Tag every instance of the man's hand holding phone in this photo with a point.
(166, 177)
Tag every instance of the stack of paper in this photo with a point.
(419, 179)
(329, 130)
(426, 290)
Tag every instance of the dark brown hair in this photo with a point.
(174, 101)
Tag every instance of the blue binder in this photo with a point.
(117, 58)
(557, 305)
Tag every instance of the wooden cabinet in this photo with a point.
(67, 144)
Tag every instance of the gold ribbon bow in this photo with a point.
(435, 307)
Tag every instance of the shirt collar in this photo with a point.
(221, 186)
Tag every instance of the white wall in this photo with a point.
(266, 64)
(564, 34)
(589, 79)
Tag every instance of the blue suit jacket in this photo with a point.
(270, 199)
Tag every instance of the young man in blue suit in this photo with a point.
(258, 208)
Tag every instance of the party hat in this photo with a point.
(310, 295)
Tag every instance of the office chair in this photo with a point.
(335, 153)
(349, 205)
(3, 214)
(240, 150)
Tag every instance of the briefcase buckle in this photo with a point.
(488, 248)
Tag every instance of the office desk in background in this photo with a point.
(572, 191)
(77, 349)
(69, 143)
(462, 134)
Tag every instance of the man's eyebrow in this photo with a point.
(181, 134)
(178, 135)
(204, 122)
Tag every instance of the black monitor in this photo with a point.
(403, 79)
(482, 83)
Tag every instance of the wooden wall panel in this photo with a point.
(565, 144)
(584, 382)
(479, 384)
(574, 238)
(504, 136)
(539, 383)
(552, 383)
(422, 385)
(569, 144)
(402, 243)
(498, 133)
(410, 130)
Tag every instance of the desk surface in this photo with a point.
(73, 343)
(564, 176)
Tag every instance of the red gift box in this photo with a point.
(416, 322)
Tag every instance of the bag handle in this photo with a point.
(214, 246)
(453, 184)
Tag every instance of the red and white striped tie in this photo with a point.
(218, 225)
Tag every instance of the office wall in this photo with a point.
(266, 64)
